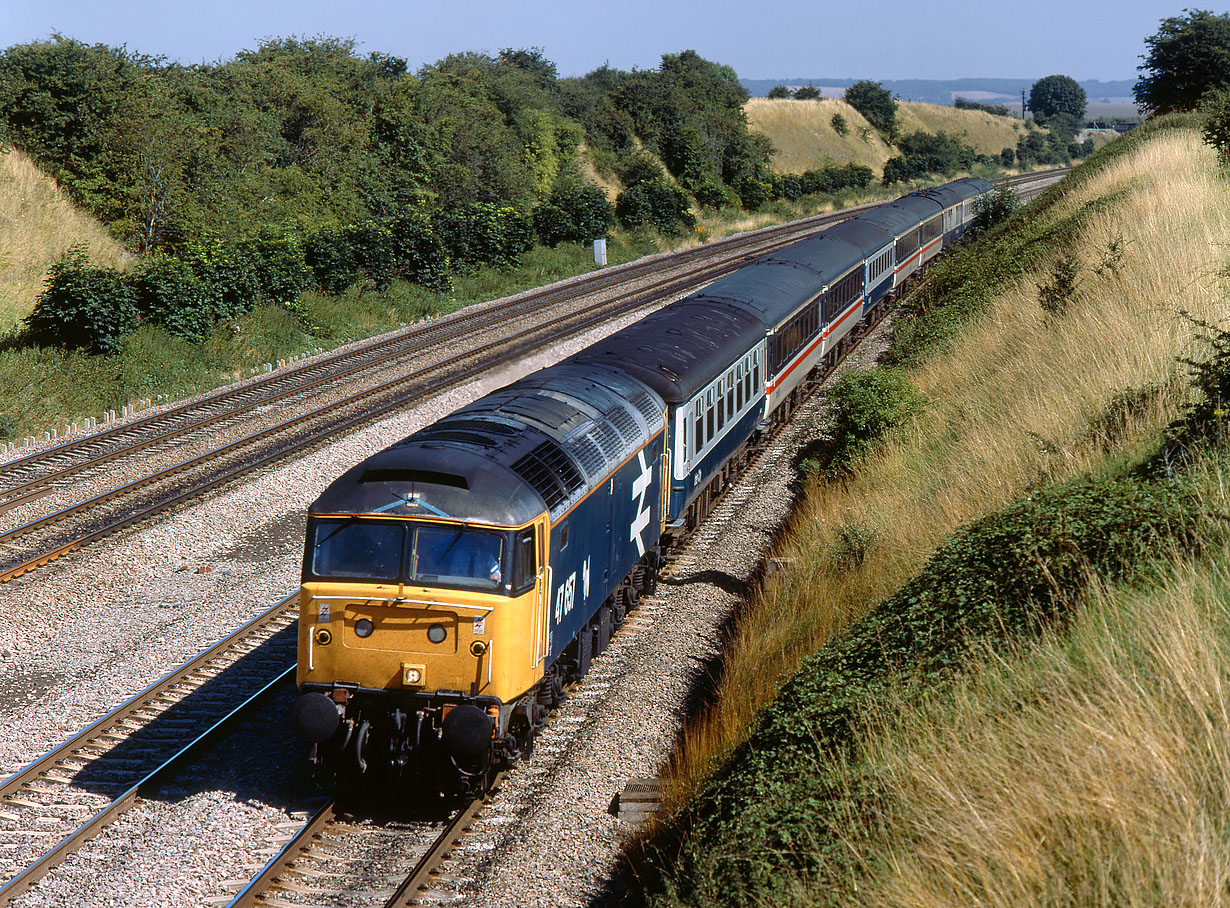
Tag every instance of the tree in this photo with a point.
(807, 92)
(1055, 95)
(779, 91)
(1188, 57)
(876, 103)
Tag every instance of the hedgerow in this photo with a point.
(95, 308)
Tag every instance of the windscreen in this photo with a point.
(405, 552)
(457, 556)
(357, 549)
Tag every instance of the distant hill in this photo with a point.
(943, 91)
(803, 134)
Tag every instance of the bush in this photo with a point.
(1055, 295)
(418, 252)
(483, 234)
(868, 403)
(282, 273)
(839, 124)
(83, 307)
(573, 216)
(334, 262)
(656, 203)
(994, 208)
(169, 294)
(229, 270)
(831, 178)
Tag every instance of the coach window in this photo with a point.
(739, 388)
(698, 429)
(756, 376)
(730, 395)
(709, 433)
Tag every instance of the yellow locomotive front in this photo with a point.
(422, 630)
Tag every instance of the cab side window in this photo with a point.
(525, 564)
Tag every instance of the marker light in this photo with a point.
(436, 633)
(363, 627)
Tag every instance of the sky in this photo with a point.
(760, 39)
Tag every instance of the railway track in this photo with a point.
(314, 866)
(52, 806)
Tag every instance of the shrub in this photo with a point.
(418, 253)
(1055, 295)
(168, 293)
(868, 403)
(282, 273)
(229, 269)
(994, 208)
(656, 203)
(334, 262)
(839, 124)
(483, 234)
(576, 215)
(83, 307)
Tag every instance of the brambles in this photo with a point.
(1055, 295)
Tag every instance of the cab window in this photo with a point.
(358, 549)
(525, 562)
(458, 557)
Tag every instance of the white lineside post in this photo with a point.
(600, 252)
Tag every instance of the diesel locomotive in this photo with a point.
(455, 582)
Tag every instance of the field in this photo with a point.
(986, 133)
(803, 134)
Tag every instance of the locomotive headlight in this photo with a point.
(436, 633)
(363, 627)
(412, 675)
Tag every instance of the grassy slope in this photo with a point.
(988, 134)
(37, 224)
(802, 131)
(1012, 408)
(803, 134)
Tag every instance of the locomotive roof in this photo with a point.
(680, 348)
(539, 443)
(777, 285)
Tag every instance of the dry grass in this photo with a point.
(803, 134)
(37, 225)
(988, 134)
(1010, 406)
(1092, 770)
